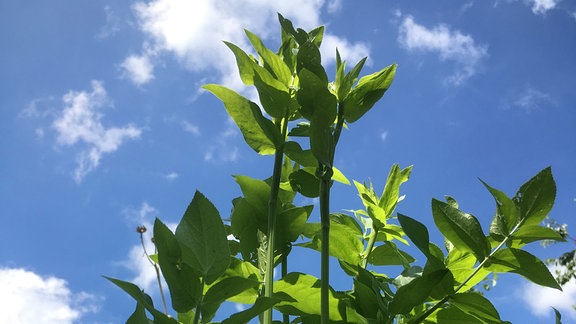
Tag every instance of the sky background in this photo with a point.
(103, 127)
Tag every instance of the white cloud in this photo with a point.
(450, 45)
(384, 136)
(190, 128)
(352, 53)
(171, 176)
(27, 297)
(527, 99)
(193, 31)
(540, 7)
(138, 69)
(540, 299)
(80, 122)
(112, 25)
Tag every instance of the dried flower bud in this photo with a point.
(141, 229)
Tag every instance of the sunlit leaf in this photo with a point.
(460, 228)
(223, 290)
(389, 254)
(258, 132)
(367, 92)
(202, 233)
(391, 192)
(524, 264)
(273, 61)
(536, 197)
(531, 233)
(261, 304)
(416, 291)
(506, 216)
(476, 305)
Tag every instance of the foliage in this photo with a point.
(206, 262)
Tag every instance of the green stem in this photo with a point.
(199, 304)
(480, 266)
(325, 178)
(285, 317)
(272, 203)
(371, 241)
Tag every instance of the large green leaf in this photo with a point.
(531, 233)
(345, 244)
(223, 290)
(391, 194)
(367, 92)
(416, 291)
(139, 316)
(299, 35)
(524, 264)
(305, 290)
(291, 223)
(389, 254)
(461, 264)
(303, 157)
(202, 236)
(506, 216)
(318, 106)
(256, 192)
(417, 232)
(245, 223)
(309, 59)
(183, 281)
(476, 305)
(274, 96)
(460, 228)
(536, 197)
(144, 300)
(259, 133)
(246, 65)
(274, 62)
(306, 183)
(348, 80)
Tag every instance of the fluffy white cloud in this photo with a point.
(27, 297)
(541, 299)
(138, 69)
(540, 7)
(450, 45)
(80, 121)
(193, 31)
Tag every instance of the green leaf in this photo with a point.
(245, 222)
(256, 192)
(246, 64)
(305, 290)
(536, 197)
(416, 291)
(461, 264)
(506, 216)
(292, 222)
(262, 304)
(223, 290)
(275, 63)
(453, 315)
(307, 184)
(367, 92)
(139, 316)
(274, 96)
(531, 233)
(183, 282)
(417, 232)
(309, 59)
(476, 305)
(258, 132)
(303, 157)
(349, 80)
(143, 299)
(460, 228)
(557, 316)
(201, 233)
(391, 194)
(300, 36)
(389, 254)
(345, 244)
(524, 264)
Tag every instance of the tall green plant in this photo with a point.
(204, 266)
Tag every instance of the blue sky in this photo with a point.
(103, 127)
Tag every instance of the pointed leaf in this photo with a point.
(524, 264)
(246, 64)
(460, 228)
(259, 133)
(202, 233)
(305, 290)
(417, 232)
(536, 197)
(416, 292)
(367, 92)
(309, 59)
(274, 97)
(506, 216)
(349, 80)
(389, 254)
(273, 61)
(391, 194)
(139, 316)
(262, 304)
(476, 305)
(223, 290)
(182, 278)
(531, 233)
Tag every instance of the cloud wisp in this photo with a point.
(80, 123)
(193, 31)
(527, 99)
(449, 45)
(27, 297)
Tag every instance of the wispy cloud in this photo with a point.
(80, 123)
(527, 99)
(112, 25)
(138, 69)
(27, 297)
(193, 31)
(541, 7)
(189, 127)
(450, 45)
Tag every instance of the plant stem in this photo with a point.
(486, 259)
(272, 203)
(371, 241)
(157, 269)
(199, 305)
(285, 317)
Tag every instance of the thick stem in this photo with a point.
(285, 317)
(272, 203)
(325, 252)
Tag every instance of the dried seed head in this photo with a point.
(141, 229)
